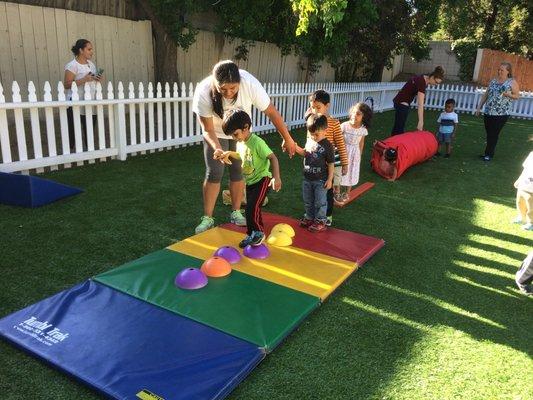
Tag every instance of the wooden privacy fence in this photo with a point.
(34, 134)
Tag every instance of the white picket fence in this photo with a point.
(139, 121)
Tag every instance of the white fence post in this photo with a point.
(89, 129)
(4, 132)
(120, 125)
(142, 121)
(19, 125)
(50, 128)
(133, 122)
(176, 123)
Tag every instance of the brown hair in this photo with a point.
(438, 73)
(367, 113)
(509, 68)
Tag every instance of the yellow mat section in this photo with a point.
(303, 270)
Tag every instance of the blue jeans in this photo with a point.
(315, 200)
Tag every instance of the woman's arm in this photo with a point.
(421, 97)
(69, 78)
(273, 114)
(483, 100)
(515, 91)
(361, 145)
(208, 129)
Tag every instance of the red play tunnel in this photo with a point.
(412, 148)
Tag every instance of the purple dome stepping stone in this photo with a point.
(231, 254)
(258, 252)
(190, 279)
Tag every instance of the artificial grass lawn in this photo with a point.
(434, 315)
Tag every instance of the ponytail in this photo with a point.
(437, 73)
(223, 72)
(79, 45)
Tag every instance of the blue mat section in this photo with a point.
(31, 191)
(127, 348)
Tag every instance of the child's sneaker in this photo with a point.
(245, 242)
(206, 223)
(257, 238)
(329, 220)
(447, 155)
(306, 222)
(317, 226)
(345, 196)
(338, 198)
(528, 227)
(517, 220)
(237, 218)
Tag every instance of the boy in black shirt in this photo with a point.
(318, 173)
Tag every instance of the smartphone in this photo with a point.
(100, 72)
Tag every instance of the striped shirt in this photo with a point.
(336, 138)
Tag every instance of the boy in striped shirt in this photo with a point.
(319, 104)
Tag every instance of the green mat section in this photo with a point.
(249, 308)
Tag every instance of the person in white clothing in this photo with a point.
(354, 130)
(229, 88)
(524, 195)
(82, 71)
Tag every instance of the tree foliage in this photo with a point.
(505, 25)
(359, 37)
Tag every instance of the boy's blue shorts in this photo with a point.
(444, 137)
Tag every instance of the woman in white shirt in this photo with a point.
(82, 71)
(228, 88)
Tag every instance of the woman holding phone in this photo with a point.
(82, 71)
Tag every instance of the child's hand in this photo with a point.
(276, 183)
(328, 184)
(217, 154)
(225, 157)
(344, 169)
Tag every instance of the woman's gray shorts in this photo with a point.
(214, 169)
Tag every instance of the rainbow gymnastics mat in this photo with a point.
(131, 334)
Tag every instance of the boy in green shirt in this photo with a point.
(256, 158)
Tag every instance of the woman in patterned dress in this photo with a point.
(498, 103)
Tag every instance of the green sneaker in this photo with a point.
(237, 218)
(329, 220)
(206, 223)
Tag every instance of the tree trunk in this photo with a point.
(377, 71)
(490, 22)
(165, 49)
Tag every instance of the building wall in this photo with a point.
(35, 45)
(390, 73)
(440, 54)
(264, 61)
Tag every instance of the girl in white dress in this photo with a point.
(354, 131)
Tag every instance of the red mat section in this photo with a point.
(355, 193)
(333, 242)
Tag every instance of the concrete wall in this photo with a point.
(440, 54)
(264, 61)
